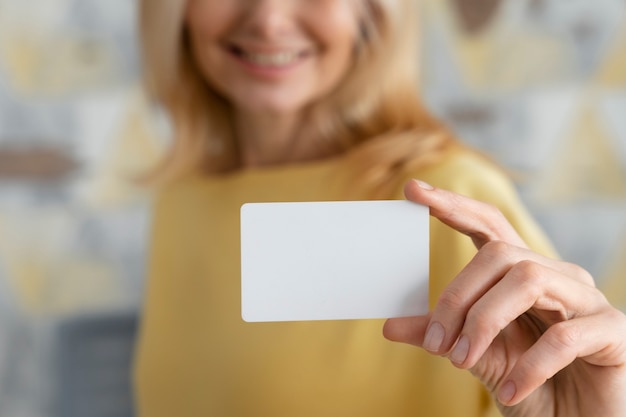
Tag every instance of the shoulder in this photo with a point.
(180, 201)
(472, 174)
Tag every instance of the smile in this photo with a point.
(270, 60)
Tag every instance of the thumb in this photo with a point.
(408, 330)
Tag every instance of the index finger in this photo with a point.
(482, 222)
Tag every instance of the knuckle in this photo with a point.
(481, 320)
(618, 317)
(491, 210)
(581, 274)
(598, 298)
(530, 279)
(452, 298)
(495, 248)
(529, 274)
(565, 336)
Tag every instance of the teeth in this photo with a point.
(272, 60)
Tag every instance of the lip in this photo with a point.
(269, 62)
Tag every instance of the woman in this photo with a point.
(300, 100)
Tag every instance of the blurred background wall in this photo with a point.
(72, 224)
(540, 85)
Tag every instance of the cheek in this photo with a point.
(337, 30)
(206, 19)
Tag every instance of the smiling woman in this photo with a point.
(317, 100)
(355, 77)
(270, 60)
(275, 58)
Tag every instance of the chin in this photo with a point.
(273, 108)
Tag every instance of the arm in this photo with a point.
(535, 331)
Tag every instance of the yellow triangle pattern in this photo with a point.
(498, 57)
(614, 283)
(136, 148)
(22, 62)
(585, 166)
(612, 72)
(471, 52)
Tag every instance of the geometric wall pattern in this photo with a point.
(540, 85)
(72, 231)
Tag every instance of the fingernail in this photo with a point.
(460, 351)
(424, 185)
(434, 337)
(507, 392)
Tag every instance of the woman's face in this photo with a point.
(273, 56)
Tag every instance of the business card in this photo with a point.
(334, 260)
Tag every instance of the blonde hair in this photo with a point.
(377, 102)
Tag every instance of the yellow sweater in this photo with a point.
(196, 357)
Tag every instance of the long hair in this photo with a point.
(377, 102)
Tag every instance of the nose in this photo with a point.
(269, 19)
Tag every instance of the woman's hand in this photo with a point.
(536, 331)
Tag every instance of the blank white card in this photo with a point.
(334, 260)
